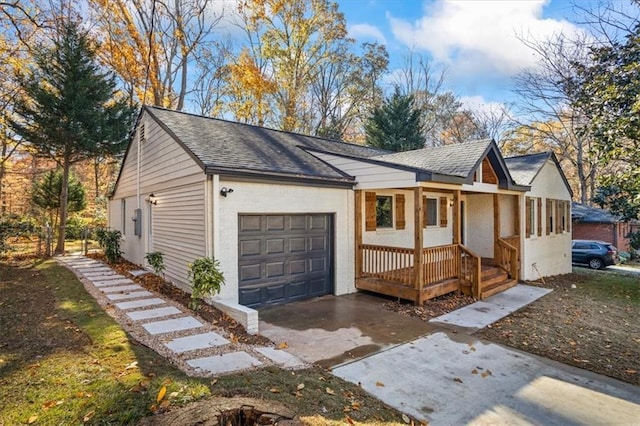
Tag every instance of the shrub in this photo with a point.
(634, 240)
(206, 279)
(156, 261)
(109, 241)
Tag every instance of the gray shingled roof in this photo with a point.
(525, 168)
(453, 160)
(585, 213)
(224, 145)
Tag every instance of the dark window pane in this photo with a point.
(384, 217)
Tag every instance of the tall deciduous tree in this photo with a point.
(71, 110)
(289, 40)
(395, 125)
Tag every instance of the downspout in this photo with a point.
(139, 155)
(215, 215)
(209, 229)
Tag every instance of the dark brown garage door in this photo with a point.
(283, 258)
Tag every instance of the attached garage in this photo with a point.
(284, 258)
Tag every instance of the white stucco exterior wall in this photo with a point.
(547, 255)
(266, 198)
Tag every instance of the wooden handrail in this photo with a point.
(507, 258)
(470, 269)
(441, 263)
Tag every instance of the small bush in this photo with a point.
(634, 240)
(156, 261)
(206, 279)
(109, 241)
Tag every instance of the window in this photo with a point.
(550, 216)
(531, 216)
(123, 215)
(384, 215)
(431, 212)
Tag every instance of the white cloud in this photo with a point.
(366, 31)
(479, 104)
(479, 36)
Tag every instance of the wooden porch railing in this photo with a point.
(387, 263)
(441, 263)
(507, 257)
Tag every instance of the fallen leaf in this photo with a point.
(630, 371)
(380, 384)
(300, 386)
(457, 379)
(163, 390)
(134, 364)
(174, 394)
(283, 345)
(88, 416)
(274, 390)
(49, 404)
(165, 404)
(214, 381)
(406, 418)
(355, 405)
(349, 420)
(32, 419)
(474, 371)
(329, 391)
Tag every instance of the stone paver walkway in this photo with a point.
(196, 346)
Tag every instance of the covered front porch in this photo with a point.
(425, 271)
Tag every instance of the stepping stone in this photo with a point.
(280, 357)
(89, 268)
(140, 303)
(85, 264)
(94, 274)
(197, 341)
(121, 288)
(108, 283)
(225, 363)
(171, 325)
(153, 313)
(113, 276)
(139, 272)
(133, 295)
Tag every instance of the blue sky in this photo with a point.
(474, 40)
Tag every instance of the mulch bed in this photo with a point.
(431, 308)
(207, 312)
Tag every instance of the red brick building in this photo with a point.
(592, 223)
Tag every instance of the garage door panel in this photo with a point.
(250, 248)
(285, 258)
(275, 245)
(275, 223)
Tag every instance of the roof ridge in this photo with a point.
(530, 155)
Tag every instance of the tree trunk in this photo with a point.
(64, 197)
(582, 179)
(96, 169)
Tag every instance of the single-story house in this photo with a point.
(291, 216)
(593, 223)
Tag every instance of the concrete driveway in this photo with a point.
(331, 330)
(439, 372)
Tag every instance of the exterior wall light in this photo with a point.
(224, 191)
(152, 199)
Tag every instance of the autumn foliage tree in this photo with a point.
(71, 110)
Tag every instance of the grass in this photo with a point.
(63, 360)
(66, 361)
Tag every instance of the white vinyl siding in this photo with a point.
(179, 229)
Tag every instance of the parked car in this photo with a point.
(595, 254)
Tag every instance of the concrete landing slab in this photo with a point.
(121, 288)
(169, 326)
(140, 303)
(480, 314)
(108, 283)
(197, 341)
(153, 313)
(455, 379)
(280, 357)
(225, 363)
(132, 295)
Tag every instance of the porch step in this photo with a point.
(493, 275)
(497, 287)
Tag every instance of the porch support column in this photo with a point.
(358, 233)
(496, 224)
(456, 217)
(418, 274)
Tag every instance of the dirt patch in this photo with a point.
(431, 308)
(590, 320)
(207, 312)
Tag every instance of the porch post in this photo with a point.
(517, 228)
(418, 274)
(456, 217)
(358, 232)
(496, 225)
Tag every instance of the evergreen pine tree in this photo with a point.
(70, 111)
(396, 125)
